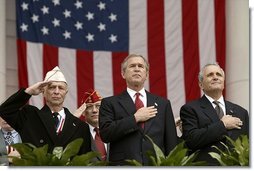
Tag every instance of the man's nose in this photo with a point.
(95, 109)
(56, 90)
(215, 78)
(136, 68)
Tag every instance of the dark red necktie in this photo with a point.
(100, 144)
(139, 104)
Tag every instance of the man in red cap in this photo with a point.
(89, 112)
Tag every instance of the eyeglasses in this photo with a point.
(91, 107)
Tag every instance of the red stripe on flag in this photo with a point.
(50, 58)
(190, 49)
(156, 47)
(22, 63)
(220, 34)
(85, 73)
(119, 83)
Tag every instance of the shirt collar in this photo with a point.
(92, 131)
(221, 100)
(13, 132)
(132, 93)
(61, 113)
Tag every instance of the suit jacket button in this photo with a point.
(41, 141)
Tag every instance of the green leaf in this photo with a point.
(177, 157)
(217, 157)
(86, 160)
(72, 149)
(236, 153)
(134, 163)
(39, 156)
(58, 152)
(158, 153)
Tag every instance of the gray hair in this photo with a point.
(201, 72)
(124, 63)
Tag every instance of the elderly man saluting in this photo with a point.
(53, 124)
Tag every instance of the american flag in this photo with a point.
(88, 39)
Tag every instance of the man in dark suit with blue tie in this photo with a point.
(206, 121)
(125, 119)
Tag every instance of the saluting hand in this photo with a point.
(80, 110)
(37, 88)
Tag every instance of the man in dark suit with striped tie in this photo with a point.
(39, 126)
(126, 118)
(206, 121)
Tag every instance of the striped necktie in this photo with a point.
(218, 109)
(139, 104)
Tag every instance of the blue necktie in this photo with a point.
(56, 120)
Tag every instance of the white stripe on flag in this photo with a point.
(35, 70)
(206, 27)
(138, 30)
(103, 81)
(67, 62)
(174, 53)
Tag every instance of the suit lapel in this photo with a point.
(46, 118)
(127, 103)
(129, 106)
(230, 111)
(69, 127)
(151, 100)
(208, 109)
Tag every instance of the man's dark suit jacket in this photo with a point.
(203, 129)
(127, 139)
(37, 126)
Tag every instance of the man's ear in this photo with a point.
(200, 85)
(147, 75)
(122, 73)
